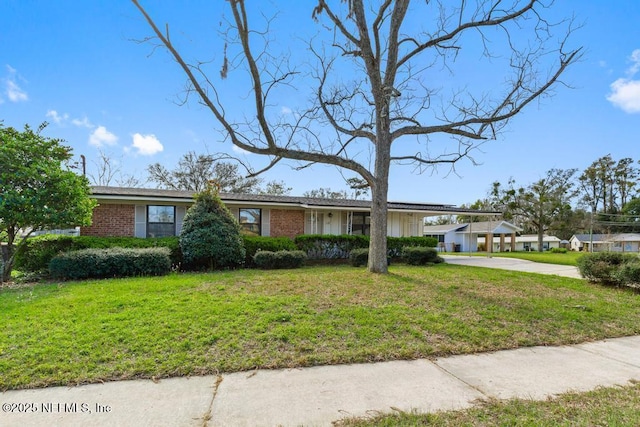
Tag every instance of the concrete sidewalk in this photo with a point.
(514, 264)
(319, 395)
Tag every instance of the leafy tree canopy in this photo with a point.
(37, 189)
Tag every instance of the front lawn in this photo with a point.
(192, 324)
(569, 258)
(611, 406)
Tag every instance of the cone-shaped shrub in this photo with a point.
(210, 235)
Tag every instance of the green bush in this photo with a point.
(327, 246)
(629, 273)
(395, 245)
(210, 235)
(37, 253)
(421, 256)
(359, 257)
(558, 250)
(269, 260)
(113, 262)
(604, 267)
(253, 244)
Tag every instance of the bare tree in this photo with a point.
(195, 171)
(378, 70)
(108, 172)
(326, 193)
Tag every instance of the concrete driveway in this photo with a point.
(514, 264)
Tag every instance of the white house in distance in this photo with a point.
(526, 242)
(464, 237)
(623, 242)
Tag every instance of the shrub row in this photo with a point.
(253, 244)
(340, 247)
(611, 268)
(421, 256)
(113, 262)
(38, 252)
(269, 260)
(413, 255)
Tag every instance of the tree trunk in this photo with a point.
(379, 193)
(540, 238)
(7, 256)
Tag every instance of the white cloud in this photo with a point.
(635, 58)
(101, 137)
(285, 110)
(147, 145)
(239, 150)
(57, 118)
(625, 92)
(13, 91)
(84, 122)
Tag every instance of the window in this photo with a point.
(361, 223)
(440, 237)
(161, 221)
(250, 221)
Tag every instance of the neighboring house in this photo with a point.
(526, 242)
(156, 213)
(623, 242)
(464, 237)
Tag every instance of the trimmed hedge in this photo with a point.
(327, 246)
(421, 256)
(558, 250)
(113, 262)
(270, 260)
(38, 251)
(606, 267)
(359, 257)
(253, 244)
(395, 245)
(324, 246)
(629, 274)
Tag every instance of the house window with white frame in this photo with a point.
(161, 221)
(250, 220)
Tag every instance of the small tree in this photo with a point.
(210, 235)
(37, 190)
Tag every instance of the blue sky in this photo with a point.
(78, 66)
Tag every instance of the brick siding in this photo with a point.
(111, 221)
(289, 223)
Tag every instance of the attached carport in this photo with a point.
(468, 235)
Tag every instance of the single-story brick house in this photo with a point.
(464, 237)
(143, 212)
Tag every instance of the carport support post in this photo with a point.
(501, 242)
(513, 242)
(489, 241)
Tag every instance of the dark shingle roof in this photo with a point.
(310, 202)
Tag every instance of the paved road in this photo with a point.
(514, 264)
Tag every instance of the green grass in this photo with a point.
(570, 258)
(191, 324)
(613, 406)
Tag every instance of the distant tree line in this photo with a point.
(603, 198)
